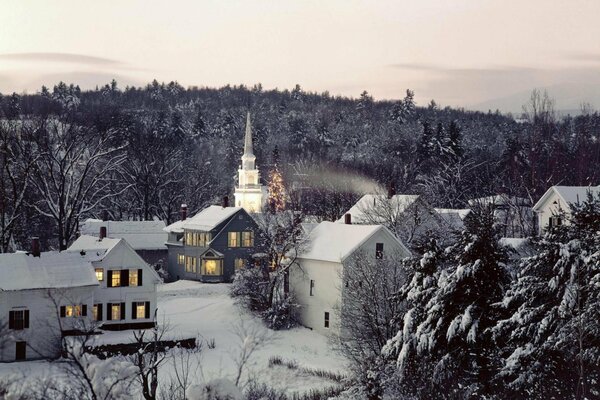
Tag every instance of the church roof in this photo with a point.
(248, 149)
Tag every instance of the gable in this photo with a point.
(123, 255)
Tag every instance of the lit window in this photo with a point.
(211, 267)
(115, 311)
(190, 264)
(133, 277)
(234, 240)
(180, 259)
(248, 239)
(95, 313)
(100, 274)
(188, 238)
(379, 251)
(73, 311)
(326, 320)
(116, 278)
(239, 263)
(140, 310)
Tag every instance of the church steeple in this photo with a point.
(248, 158)
(248, 150)
(249, 193)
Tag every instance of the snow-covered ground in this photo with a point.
(205, 311)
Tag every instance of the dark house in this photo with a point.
(212, 245)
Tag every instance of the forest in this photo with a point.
(139, 152)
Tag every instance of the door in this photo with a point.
(21, 348)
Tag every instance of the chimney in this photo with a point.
(35, 246)
(348, 219)
(225, 201)
(183, 212)
(391, 190)
(102, 232)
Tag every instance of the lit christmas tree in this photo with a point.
(275, 184)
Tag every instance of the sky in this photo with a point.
(475, 54)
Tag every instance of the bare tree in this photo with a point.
(17, 160)
(250, 339)
(72, 174)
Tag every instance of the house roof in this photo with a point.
(205, 220)
(397, 205)
(501, 200)
(90, 243)
(454, 218)
(52, 270)
(141, 235)
(334, 242)
(568, 194)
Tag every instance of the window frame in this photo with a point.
(312, 287)
(326, 320)
(133, 273)
(115, 277)
(247, 239)
(379, 251)
(233, 239)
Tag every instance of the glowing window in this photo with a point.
(180, 259)
(115, 311)
(133, 277)
(100, 274)
(73, 311)
(234, 239)
(140, 310)
(211, 267)
(239, 263)
(248, 239)
(190, 264)
(116, 278)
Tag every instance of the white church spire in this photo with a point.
(248, 150)
(249, 193)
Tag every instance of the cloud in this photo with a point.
(60, 58)
(583, 56)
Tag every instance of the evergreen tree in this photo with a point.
(454, 141)
(550, 338)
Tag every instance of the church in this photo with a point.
(249, 193)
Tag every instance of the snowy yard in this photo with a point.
(206, 311)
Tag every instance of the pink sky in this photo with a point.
(461, 53)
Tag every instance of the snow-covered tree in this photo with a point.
(550, 337)
(454, 338)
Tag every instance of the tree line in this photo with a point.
(139, 152)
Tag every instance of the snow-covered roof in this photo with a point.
(334, 242)
(568, 194)
(89, 243)
(20, 271)
(500, 200)
(141, 235)
(205, 220)
(453, 217)
(360, 211)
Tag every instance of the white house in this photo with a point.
(512, 214)
(147, 238)
(126, 295)
(317, 284)
(558, 199)
(408, 216)
(42, 297)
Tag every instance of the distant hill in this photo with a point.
(568, 97)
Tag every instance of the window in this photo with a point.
(20, 351)
(180, 259)
(378, 251)
(115, 311)
(248, 239)
(115, 279)
(312, 287)
(326, 320)
(555, 221)
(140, 310)
(133, 277)
(188, 238)
(18, 319)
(97, 312)
(212, 267)
(239, 264)
(233, 239)
(73, 311)
(100, 274)
(190, 264)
